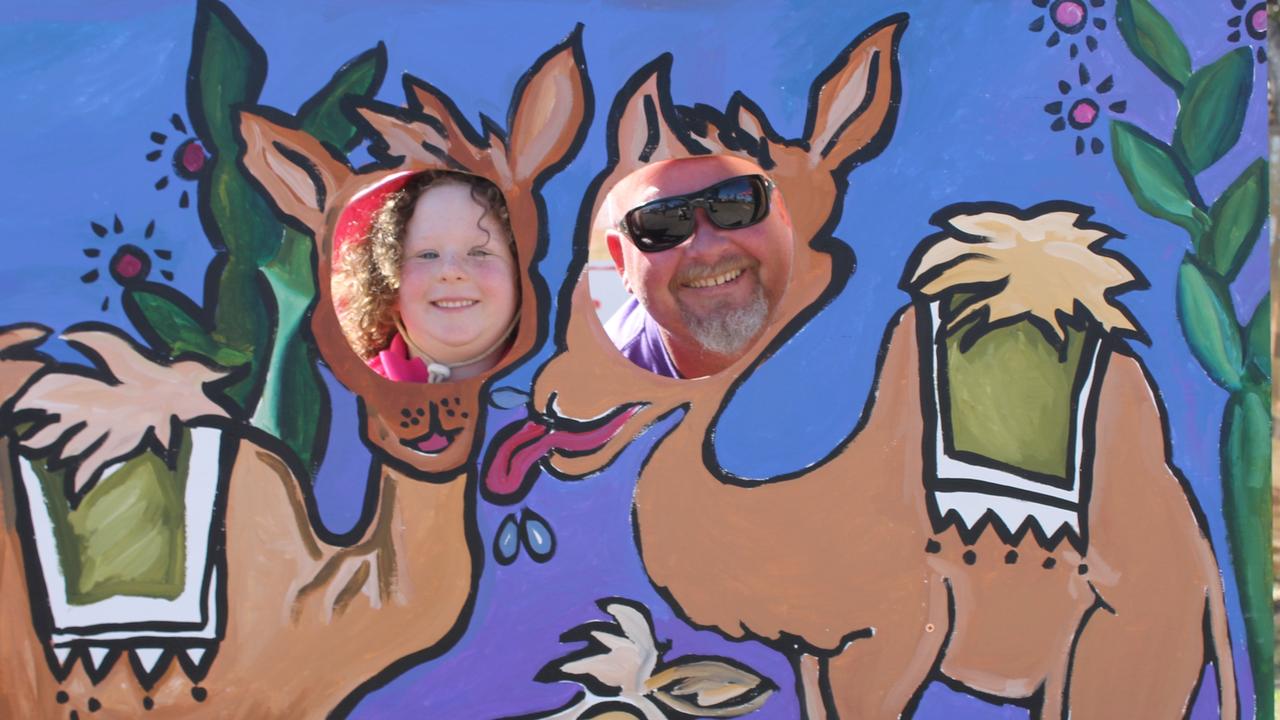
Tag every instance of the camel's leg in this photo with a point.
(878, 676)
(1136, 661)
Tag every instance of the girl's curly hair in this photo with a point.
(366, 278)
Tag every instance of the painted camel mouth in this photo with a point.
(435, 440)
(513, 458)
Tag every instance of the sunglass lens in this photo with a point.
(737, 203)
(661, 225)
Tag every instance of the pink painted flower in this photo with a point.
(1080, 109)
(1072, 21)
(189, 159)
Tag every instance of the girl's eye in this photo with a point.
(479, 252)
(429, 255)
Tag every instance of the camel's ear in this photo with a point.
(853, 103)
(549, 109)
(641, 132)
(295, 169)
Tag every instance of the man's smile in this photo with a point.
(717, 280)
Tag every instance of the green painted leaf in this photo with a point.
(1246, 471)
(1152, 40)
(1209, 322)
(173, 327)
(242, 322)
(1213, 106)
(1236, 219)
(228, 68)
(294, 401)
(322, 114)
(1258, 337)
(1155, 178)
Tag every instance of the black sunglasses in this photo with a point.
(666, 222)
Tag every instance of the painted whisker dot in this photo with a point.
(933, 546)
(94, 705)
(1011, 557)
(1083, 569)
(970, 557)
(1048, 563)
(62, 697)
(148, 703)
(199, 694)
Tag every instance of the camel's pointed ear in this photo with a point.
(640, 131)
(853, 103)
(295, 169)
(550, 109)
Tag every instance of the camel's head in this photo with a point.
(425, 429)
(590, 401)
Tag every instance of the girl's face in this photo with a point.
(458, 286)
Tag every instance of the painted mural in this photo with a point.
(997, 444)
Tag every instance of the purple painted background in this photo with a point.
(86, 83)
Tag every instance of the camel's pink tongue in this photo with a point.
(434, 443)
(513, 462)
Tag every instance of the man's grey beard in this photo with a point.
(728, 332)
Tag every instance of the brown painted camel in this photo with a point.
(841, 566)
(311, 623)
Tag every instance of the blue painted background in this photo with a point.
(85, 84)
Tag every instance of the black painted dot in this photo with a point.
(457, 402)
(62, 697)
(1082, 569)
(1011, 557)
(405, 412)
(416, 421)
(970, 557)
(420, 412)
(148, 703)
(450, 413)
(199, 693)
(445, 402)
(466, 415)
(74, 715)
(94, 705)
(1049, 563)
(404, 424)
(932, 546)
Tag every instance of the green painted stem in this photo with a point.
(1246, 475)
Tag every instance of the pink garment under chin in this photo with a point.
(394, 363)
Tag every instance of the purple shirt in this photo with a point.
(636, 335)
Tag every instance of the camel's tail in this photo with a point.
(1219, 641)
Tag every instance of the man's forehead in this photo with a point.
(679, 176)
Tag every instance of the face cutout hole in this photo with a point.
(690, 259)
(426, 280)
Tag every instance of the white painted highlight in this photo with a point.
(97, 655)
(148, 657)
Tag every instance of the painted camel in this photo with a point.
(308, 621)
(853, 567)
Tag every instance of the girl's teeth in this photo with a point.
(717, 280)
(454, 303)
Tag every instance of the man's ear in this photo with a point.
(614, 240)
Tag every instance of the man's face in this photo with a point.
(713, 293)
